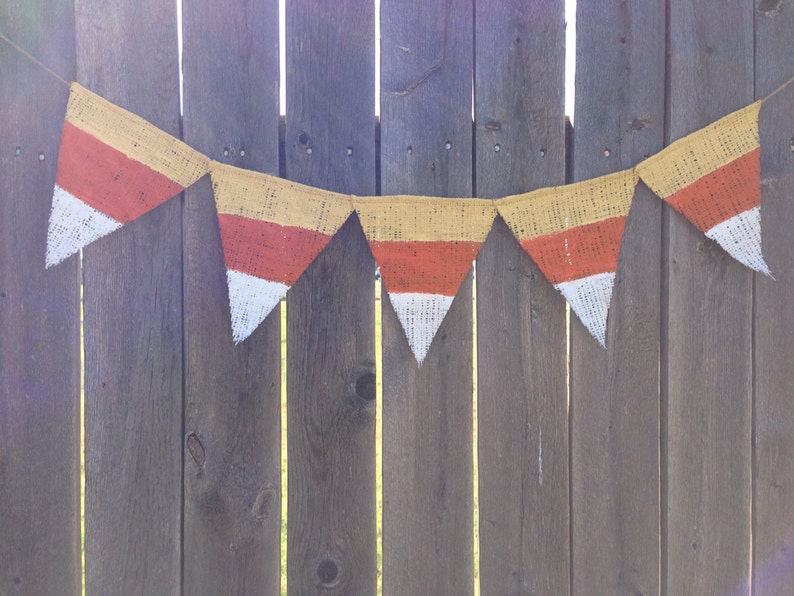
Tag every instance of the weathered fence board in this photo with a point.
(521, 336)
(39, 317)
(133, 324)
(707, 338)
(330, 143)
(615, 392)
(773, 482)
(232, 475)
(426, 148)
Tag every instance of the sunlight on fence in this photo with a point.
(475, 452)
(82, 440)
(284, 454)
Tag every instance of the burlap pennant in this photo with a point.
(424, 247)
(113, 166)
(573, 233)
(271, 230)
(713, 178)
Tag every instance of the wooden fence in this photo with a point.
(672, 470)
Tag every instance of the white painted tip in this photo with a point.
(251, 299)
(589, 298)
(421, 316)
(740, 237)
(73, 225)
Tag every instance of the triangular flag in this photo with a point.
(113, 166)
(271, 230)
(573, 233)
(713, 178)
(424, 247)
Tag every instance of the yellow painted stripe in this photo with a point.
(135, 137)
(550, 210)
(401, 218)
(700, 153)
(269, 198)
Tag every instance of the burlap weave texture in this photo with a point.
(135, 137)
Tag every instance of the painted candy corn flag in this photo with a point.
(271, 230)
(424, 249)
(113, 167)
(713, 178)
(573, 233)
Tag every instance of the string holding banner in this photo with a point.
(114, 166)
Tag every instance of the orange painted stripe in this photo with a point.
(727, 191)
(435, 267)
(268, 250)
(108, 180)
(578, 252)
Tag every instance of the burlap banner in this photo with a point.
(114, 166)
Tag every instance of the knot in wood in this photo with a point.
(328, 573)
(196, 449)
(366, 386)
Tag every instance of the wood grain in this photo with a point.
(773, 474)
(619, 120)
(426, 148)
(232, 475)
(330, 143)
(707, 334)
(39, 316)
(133, 324)
(521, 321)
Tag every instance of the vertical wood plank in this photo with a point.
(620, 72)
(127, 52)
(707, 335)
(773, 482)
(232, 529)
(330, 144)
(521, 334)
(426, 149)
(39, 315)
